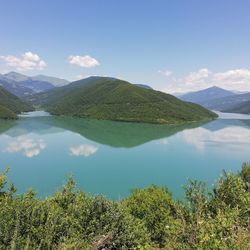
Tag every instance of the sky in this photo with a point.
(171, 45)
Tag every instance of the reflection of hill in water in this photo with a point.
(6, 125)
(223, 123)
(37, 125)
(117, 134)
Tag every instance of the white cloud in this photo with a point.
(27, 61)
(83, 61)
(27, 146)
(236, 80)
(197, 76)
(237, 76)
(165, 72)
(83, 150)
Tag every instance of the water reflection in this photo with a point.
(83, 150)
(6, 125)
(237, 138)
(26, 145)
(117, 134)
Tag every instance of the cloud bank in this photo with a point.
(27, 61)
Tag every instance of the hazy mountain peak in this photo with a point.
(16, 76)
(215, 87)
(53, 80)
(206, 94)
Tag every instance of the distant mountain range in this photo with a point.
(219, 99)
(206, 95)
(242, 107)
(108, 98)
(113, 99)
(21, 85)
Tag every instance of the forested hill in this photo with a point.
(113, 99)
(11, 105)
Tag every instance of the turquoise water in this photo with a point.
(111, 158)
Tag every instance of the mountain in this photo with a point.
(11, 105)
(15, 87)
(112, 99)
(206, 95)
(215, 98)
(242, 108)
(14, 76)
(226, 103)
(53, 80)
(6, 113)
(22, 86)
(41, 99)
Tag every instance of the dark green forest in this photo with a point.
(217, 218)
(11, 105)
(108, 98)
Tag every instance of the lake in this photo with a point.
(111, 158)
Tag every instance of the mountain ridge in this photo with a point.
(22, 85)
(206, 94)
(113, 99)
(242, 108)
(224, 100)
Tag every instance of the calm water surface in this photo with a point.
(111, 158)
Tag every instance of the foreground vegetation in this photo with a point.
(149, 219)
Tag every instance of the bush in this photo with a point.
(148, 219)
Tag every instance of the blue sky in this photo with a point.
(174, 46)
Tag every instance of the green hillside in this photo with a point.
(11, 105)
(6, 113)
(40, 99)
(113, 99)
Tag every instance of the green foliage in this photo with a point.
(154, 206)
(6, 113)
(112, 99)
(245, 175)
(10, 105)
(148, 219)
